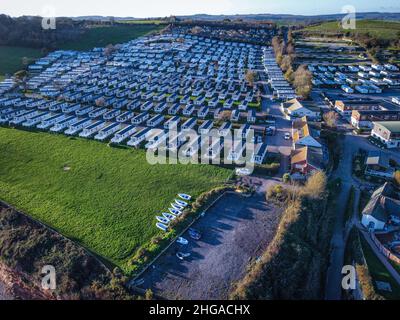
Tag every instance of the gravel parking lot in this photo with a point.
(235, 231)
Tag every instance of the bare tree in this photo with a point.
(225, 115)
(331, 119)
(250, 77)
(315, 185)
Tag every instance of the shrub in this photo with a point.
(286, 178)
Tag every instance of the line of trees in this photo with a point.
(28, 32)
(285, 54)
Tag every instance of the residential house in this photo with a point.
(388, 132)
(384, 203)
(377, 164)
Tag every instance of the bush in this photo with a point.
(286, 178)
(27, 246)
(293, 265)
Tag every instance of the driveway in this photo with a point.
(235, 231)
(277, 143)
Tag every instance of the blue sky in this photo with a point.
(154, 8)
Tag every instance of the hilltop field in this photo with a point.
(102, 36)
(388, 30)
(104, 198)
(11, 57)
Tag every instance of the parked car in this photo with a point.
(182, 241)
(182, 255)
(194, 234)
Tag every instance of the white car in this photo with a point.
(287, 136)
(182, 256)
(182, 241)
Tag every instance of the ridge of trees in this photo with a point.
(285, 54)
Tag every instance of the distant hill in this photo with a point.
(288, 18)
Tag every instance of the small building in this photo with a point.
(307, 160)
(377, 164)
(387, 132)
(294, 109)
(384, 203)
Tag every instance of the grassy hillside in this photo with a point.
(102, 36)
(388, 30)
(105, 198)
(11, 58)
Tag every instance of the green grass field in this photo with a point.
(102, 36)
(382, 29)
(105, 198)
(11, 58)
(379, 272)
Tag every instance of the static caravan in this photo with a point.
(92, 129)
(243, 106)
(126, 116)
(84, 111)
(228, 104)
(134, 105)
(24, 116)
(59, 126)
(140, 118)
(159, 97)
(236, 150)
(97, 112)
(36, 119)
(50, 121)
(111, 114)
(251, 116)
(396, 100)
(217, 113)
(123, 134)
(147, 95)
(188, 110)
(107, 131)
(172, 123)
(224, 129)
(192, 147)
(57, 107)
(214, 148)
(213, 102)
(155, 139)
(189, 124)
(173, 98)
(199, 101)
(161, 107)
(235, 115)
(203, 112)
(147, 106)
(175, 141)
(185, 99)
(173, 110)
(245, 131)
(70, 108)
(155, 121)
(206, 127)
(138, 137)
(78, 126)
(259, 153)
